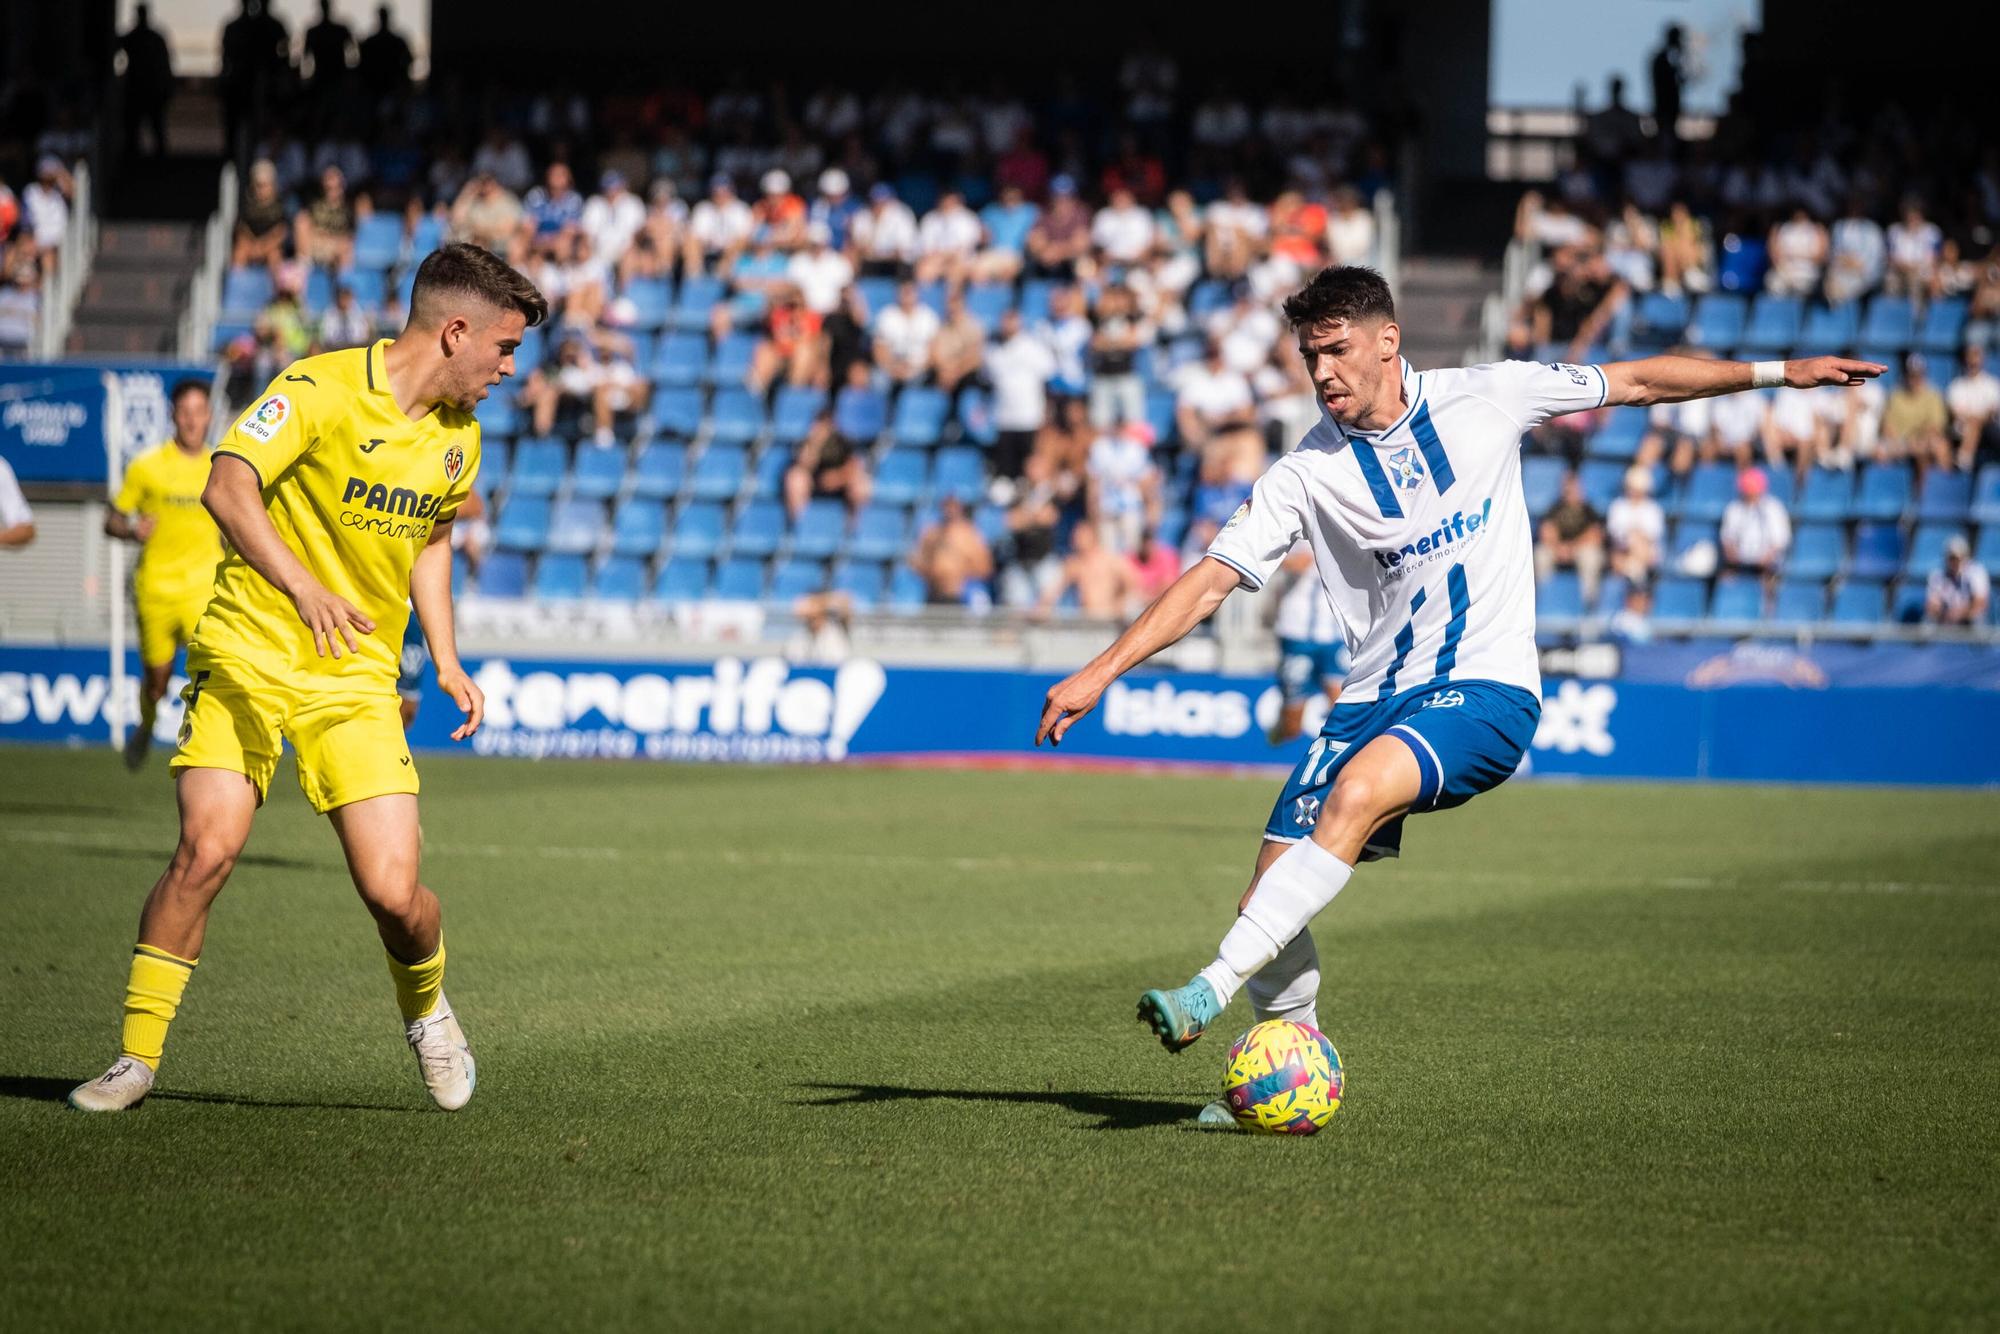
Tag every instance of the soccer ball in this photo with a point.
(1283, 1078)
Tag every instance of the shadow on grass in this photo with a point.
(41, 1088)
(158, 857)
(1114, 1111)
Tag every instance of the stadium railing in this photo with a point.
(205, 294)
(62, 284)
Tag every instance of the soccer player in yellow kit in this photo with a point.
(159, 507)
(336, 491)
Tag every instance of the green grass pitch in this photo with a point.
(853, 1049)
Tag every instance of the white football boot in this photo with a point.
(443, 1056)
(124, 1085)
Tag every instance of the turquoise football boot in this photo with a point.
(1217, 1116)
(1180, 1016)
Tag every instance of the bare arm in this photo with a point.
(1189, 601)
(20, 535)
(1671, 379)
(117, 523)
(234, 498)
(430, 591)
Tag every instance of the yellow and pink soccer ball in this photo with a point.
(1283, 1078)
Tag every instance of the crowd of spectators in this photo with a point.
(32, 224)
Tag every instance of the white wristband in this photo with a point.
(1767, 375)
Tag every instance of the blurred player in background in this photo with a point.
(336, 492)
(159, 507)
(1312, 648)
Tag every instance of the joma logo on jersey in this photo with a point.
(1457, 528)
(388, 500)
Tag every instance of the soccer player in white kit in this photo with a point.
(1408, 491)
(1312, 646)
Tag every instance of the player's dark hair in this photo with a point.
(1340, 294)
(185, 387)
(462, 270)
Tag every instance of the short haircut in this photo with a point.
(184, 387)
(1342, 294)
(458, 271)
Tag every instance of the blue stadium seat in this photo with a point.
(1943, 326)
(656, 473)
(1906, 601)
(503, 574)
(529, 355)
(1160, 416)
(758, 529)
(620, 579)
(1707, 491)
(1207, 297)
(1541, 482)
(697, 530)
(820, 530)
(679, 360)
(882, 532)
(523, 524)
(975, 417)
(862, 581)
(1817, 551)
(1718, 321)
(1738, 598)
(878, 293)
(1832, 328)
(731, 363)
(1660, 320)
(1035, 300)
(961, 472)
(378, 241)
(736, 417)
(677, 412)
(1774, 324)
(1687, 533)
(740, 580)
(767, 474)
(229, 328)
(1986, 495)
(639, 527)
(795, 578)
(1987, 549)
(1828, 496)
(539, 465)
(682, 579)
(1680, 599)
(246, 291)
(1884, 492)
(719, 473)
(793, 416)
(1945, 497)
(1889, 323)
(1878, 550)
(987, 302)
(692, 303)
(860, 414)
(920, 416)
(597, 473)
(902, 477)
(1859, 602)
(495, 456)
(560, 576)
(1620, 435)
(1561, 597)
(651, 298)
(1927, 547)
(906, 590)
(498, 417)
(1744, 261)
(1602, 480)
(1801, 600)
(318, 294)
(576, 526)
(427, 235)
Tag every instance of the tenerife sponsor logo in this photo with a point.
(754, 711)
(388, 511)
(1453, 533)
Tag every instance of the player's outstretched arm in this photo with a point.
(430, 591)
(1671, 379)
(234, 498)
(1189, 601)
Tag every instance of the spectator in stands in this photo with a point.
(1060, 239)
(1122, 231)
(1974, 401)
(1215, 414)
(1632, 248)
(612, 218)
(1577, 307)
(1104, 581)
(262, 227)
(754, 277)
(1350, 229)
(779, 216)
(1117, 393)
(791, 344)
(328, 48)
(1958, 592)
(1019, 365)
(1571, 536)
(1154, 565)
(20, 308)
(903, 335)
(1795, 430)
(1632, 622)
(325, 228)
(657, 244)
(1853, 418)
(1636, 527)
(1123, 492)
(149, 83)
(1233, 232)
(718, 228)
(45, 207)
(345, 323)
(822, 637)
(885, 235)
(820, 272)
(860, 409)
(385, 60)
(958, 349)
(17, 520)
(1008, 220)
(948, 241)
(1913, 241)
(1737, 425)
(1798, 249)
(827, 465)
(835, 209)
(1914, 419)
(284, 317)
(1983, 318)
(1856, 256)
(844, 338)
(506, 160)
(553, 209)
(1068, 332)
(953, 560)
(1687, 252)
(1546, 221)
(1756, 531)
(1032, 520)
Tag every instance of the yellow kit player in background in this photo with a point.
(159, 507)
(335, 491)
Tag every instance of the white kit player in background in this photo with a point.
(1408, 493)
(1312, 645)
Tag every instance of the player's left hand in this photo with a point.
(1067, 701)
(471, 700)
(1815, 372)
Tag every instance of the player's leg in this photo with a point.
(1295, 668)
(160, 636)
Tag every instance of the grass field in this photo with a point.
(844, 1049)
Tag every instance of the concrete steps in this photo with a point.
(132, 303)
(1438, 305)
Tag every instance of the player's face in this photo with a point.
(191, 418)
(1349, 365)
(484, 355)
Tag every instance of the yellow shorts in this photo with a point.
(350, 744)
(166, 623)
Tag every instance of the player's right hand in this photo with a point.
(143, 526)
(1067, 701)
(331, 618)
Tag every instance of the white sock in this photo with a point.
(1293, 889)
(1288, 986)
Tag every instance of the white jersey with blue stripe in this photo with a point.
(1419, 532)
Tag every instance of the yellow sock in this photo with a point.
(152, 995)
(418, 984)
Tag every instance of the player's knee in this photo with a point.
(1356, 797)
(202, 863)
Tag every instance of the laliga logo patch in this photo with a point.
(1409, 472)
(1242, 513)
(454, 462)
(263, 421)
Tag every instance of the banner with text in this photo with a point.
(53, 417)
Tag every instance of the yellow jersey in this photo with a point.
(178, 559)
(354, 488)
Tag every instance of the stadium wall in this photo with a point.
(768, 710)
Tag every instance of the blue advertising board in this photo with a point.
(765, 709)
(53, 416)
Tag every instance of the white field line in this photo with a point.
(1082, 866)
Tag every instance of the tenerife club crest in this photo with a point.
(1406, 468)
(454, 462)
